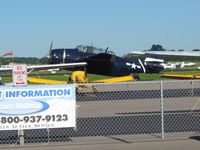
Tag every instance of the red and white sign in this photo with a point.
(19, 74)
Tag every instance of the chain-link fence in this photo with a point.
(126, 112)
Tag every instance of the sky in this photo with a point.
(27, 27)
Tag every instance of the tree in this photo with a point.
(157, 48)
(43, 60)
(196, 49)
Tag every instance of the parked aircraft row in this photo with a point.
(169, 65)
(168, 53)
(104, 62)
(173, 65)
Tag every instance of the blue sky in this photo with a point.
(27, 27)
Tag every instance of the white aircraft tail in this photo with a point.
(182, 64)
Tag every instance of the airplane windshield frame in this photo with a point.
(92, 49)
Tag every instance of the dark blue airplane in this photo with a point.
(102, 61)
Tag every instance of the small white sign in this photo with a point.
(19, 74)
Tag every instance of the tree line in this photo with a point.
(157, 47)
(24, 60)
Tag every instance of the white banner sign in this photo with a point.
(19, 74)
(36, 107)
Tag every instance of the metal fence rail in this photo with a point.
(126, 112)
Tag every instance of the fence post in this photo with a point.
(192, 88)
(162, 110)
(21, 137)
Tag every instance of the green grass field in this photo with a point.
(91, 77)
(61, 77)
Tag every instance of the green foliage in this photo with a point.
(157, 48)
(196, 49)
(43, 60)
(181, 58)
(7, 79)
(24, 60)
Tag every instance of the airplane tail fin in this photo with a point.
(182, 64)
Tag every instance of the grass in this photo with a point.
(61, 77)
(91, 77)
(149, 76)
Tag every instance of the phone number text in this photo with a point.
(34, 119)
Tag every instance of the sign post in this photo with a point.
(19, 76)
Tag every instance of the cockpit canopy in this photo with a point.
(92, 49)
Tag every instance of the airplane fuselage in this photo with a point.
(102, 63)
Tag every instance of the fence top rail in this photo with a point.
(142, 82)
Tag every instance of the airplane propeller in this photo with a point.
(106, 49)
(51, 47)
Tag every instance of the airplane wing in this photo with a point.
(137, 52)
(50, 66)
(168, 53)
(171, 53)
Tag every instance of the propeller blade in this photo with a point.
(51, 46)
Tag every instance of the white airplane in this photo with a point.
(43, 67)
(170, 53)
(183, 64)
(167, 53)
